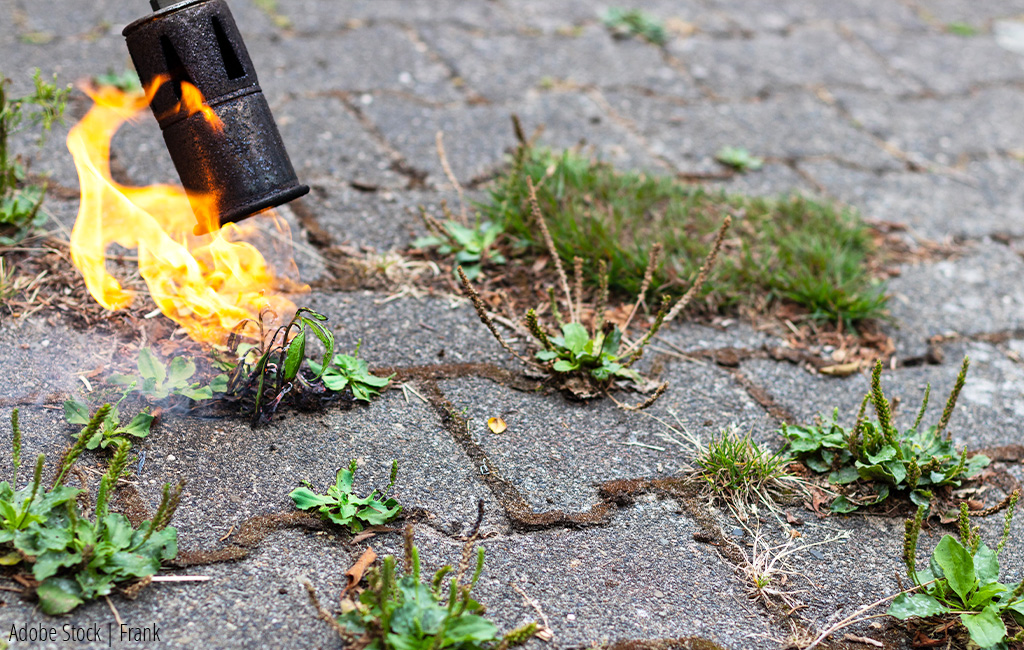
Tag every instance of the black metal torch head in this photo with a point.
(222, 139)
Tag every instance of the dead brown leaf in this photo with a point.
(355, 574)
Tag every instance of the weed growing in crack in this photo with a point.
(588, 363)
(786, 249)
(627, 23)
(472, 245)
(342, 507)
(72, 557)
(349, 371)
(739, 159)
(874, 459)
(20, 201)
(962, 579)
(734, 468)
(402, 612)
(110, 431)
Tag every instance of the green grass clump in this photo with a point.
(734, 467)
(811, 252)
(962, 579)
(875, 459)
(75, 558)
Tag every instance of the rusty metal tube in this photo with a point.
(244, 164)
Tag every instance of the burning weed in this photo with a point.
(73, 558)
(20, 201)
(587, 363)
(342, 507)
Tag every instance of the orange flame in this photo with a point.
(208, 284)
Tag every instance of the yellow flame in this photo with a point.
(208, 284)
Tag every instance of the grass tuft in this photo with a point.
(792, 248)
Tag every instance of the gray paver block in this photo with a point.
(982, 199)
(978, 293)
(977, 13)
(44, 358)
(318, 16)
(430, 330)
(988, 411)
(485, 61)
(325, 140)
(942, 129)
(557, 451)
(477, 137)
(551, 17)
(383, 220)
(946, 63)
(803, 57)
(772, 179)
(642, 576)
(380, 57)
(791, 125)
(752, 15)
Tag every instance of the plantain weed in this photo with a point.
(111, 431)
(962, 580)
(874, 460)
(404, 612)
(20, 201)
(588, 362)
(157, 380)
(353, 373)
(74, 558)
(340, 506)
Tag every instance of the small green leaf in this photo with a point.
(842, 476)
(575, 336)
(59, 595)
(921, 605)
(564, 366)
(140, 425)
(957, 565)
(150, 367)
(296, 354)
(987, 628)
(843, 505)
(306, 499)
(76, 412)
(181, 370)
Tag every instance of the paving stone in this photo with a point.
(106, 18)
(556, 452)
(751, 15)
(640, 577)
(434, 330)
(71, 59)
(255, 603)
(384, 220)
(967, 11)
(45, 359)
(791, 126)
(978, 293)
(550, 17)
(942, 129)
(980, 201)
(690, 337)
(478, 137)
(803, 57)
(318, 16)
(591, 58)
(325, 140)
(771, 179)
(946, 63)
(373, 58)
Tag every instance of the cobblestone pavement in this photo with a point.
(877, 103)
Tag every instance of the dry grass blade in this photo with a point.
(550, 244)
(702, 276)
(481, 311)
(439, 139)
(644, 404)
(652, 263)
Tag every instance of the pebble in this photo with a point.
(736, 532)
(816, 554)
(171, 458)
